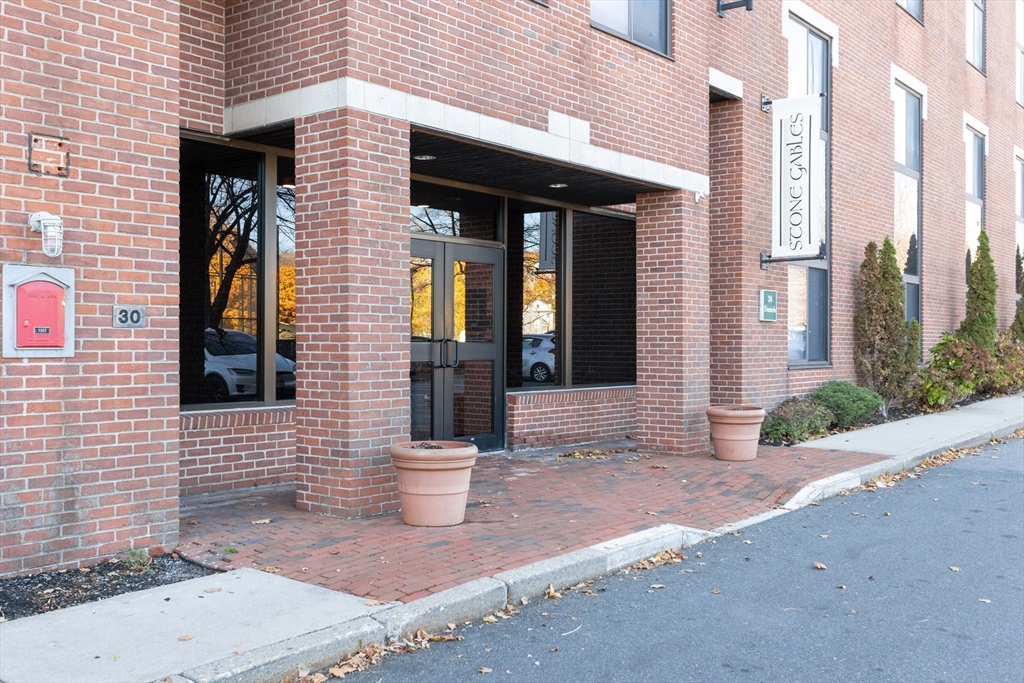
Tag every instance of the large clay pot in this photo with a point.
(433, 480)
(735, 431)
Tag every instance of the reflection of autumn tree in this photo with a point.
(421, 289)
(538, 286)
(231, 247)
(434, 221)
(286, 294)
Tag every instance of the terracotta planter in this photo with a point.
(433, 480)
(735, 431)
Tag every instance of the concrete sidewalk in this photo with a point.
(531, 523)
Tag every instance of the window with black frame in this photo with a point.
(913, 7)
(230, 268)
(808, 286)
(907, 195)
(644, 22)
(976, 34)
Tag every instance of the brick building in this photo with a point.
(296, 232)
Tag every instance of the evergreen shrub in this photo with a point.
(979, 324)
(1007, 374)
(796, 420)
(887, 347)
(848, 403)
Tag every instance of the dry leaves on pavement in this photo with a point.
(819, 565)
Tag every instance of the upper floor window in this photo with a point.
(644, 22)
(974, 140)
(1018, 164)
(907, 193)
(1020, 51)
(914, 7)
(976, 33)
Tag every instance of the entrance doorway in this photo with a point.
(457, 372)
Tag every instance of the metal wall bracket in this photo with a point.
(766, 103)
(767, 258)
(736, 4)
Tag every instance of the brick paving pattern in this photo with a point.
(522, 509)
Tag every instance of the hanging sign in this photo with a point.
(798, 176)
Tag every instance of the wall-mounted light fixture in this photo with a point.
(52, 228)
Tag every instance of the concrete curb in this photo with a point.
(288, 657)
(469, 601)
(563, 570)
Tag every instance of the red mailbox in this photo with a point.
(40, 315)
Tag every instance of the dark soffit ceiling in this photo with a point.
(504, 169)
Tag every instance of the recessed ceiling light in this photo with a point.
(558, 186)
(423, 206)
(424, 157)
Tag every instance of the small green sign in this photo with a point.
(769, 305)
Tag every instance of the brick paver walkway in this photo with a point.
(521, 509)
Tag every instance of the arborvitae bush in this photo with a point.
(849, 403)
(1017, 328)
(796, 420)
(887, 346)
(1007, 373)
(979, 325)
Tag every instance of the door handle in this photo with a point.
(444, 353)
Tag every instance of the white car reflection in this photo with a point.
(539, 357)
(231, 367)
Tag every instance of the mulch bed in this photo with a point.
(23, 596)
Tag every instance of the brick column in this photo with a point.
(672, 327)
(352, 310)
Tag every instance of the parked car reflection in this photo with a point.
(539, 357)
(231, 368)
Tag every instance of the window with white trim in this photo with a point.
(644, 22)
(1020, 52)
(1018, 168)
(976, 33)
(907, 194)
(810, 62)
(975, 186)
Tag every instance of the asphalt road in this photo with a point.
(888, 607)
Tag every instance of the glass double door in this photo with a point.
(457, 357)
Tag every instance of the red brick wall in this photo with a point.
(514, 59)
(202, 65)
(352, 309)
(539, 419)
(230, 449)
(89, 454)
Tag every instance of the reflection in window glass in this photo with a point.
(906, 222)
(538, 232)
(285, 277)
(453, 212)
(797, 293)
(474, 301)
(642, 21)
(421, 281)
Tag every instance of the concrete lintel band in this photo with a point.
(348, 92)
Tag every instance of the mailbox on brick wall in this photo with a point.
(38, 312)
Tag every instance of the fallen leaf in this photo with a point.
(184, 637)
(84, 570)
(887, 514)
(318, 678)
(212, 590)
(715, 591)
(525, 600)
(551, 594)
(819, 565)
(374, 603)
(261, 521)
(987, 602)
(824, 535)
(653, 514)
(485, 670)
(554, 649)
(491, 619)
(270, 569)
(657, 585)
(748, 542)
(515, 516)
(955, 569)
(335, 552)
(660, 467)
(841, 587)
(193, 522)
